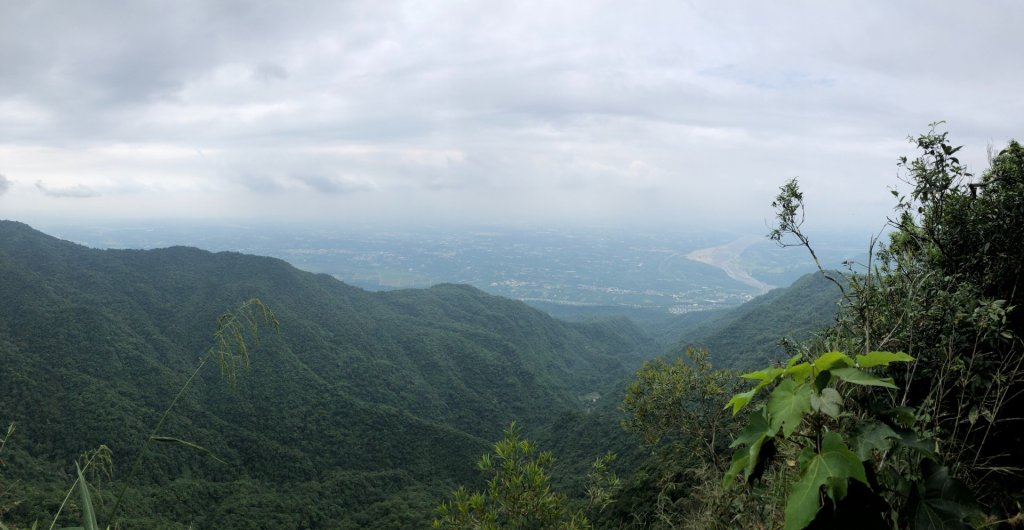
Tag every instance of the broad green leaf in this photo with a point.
(755, 428)
(860, 377)
(787, 406)
(828, 402)
(792, 360)
(943, 502)
(801, 372)
(753, 436)
(832, 467)
(873, 436)
(764, 377)
(739, 462)
(740, 400)
(881, 358)
(832, 359)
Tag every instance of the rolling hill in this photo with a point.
(361, 413)
(749, 335)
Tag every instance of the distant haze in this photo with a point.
(592, 112)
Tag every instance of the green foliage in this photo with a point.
(676, 409)
(945, 288)
(518, 495)
(938, 501)
(602, 485)
(804, 415)
(5, 493)
(901, 414)
(681, 401)
(905, 441)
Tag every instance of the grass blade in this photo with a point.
(88, 513)
(190, 445)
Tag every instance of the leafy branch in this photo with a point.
(235, 330)
(788, 232)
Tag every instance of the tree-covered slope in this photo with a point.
(749, 335)
(365, 401)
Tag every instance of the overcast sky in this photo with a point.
(557, 112)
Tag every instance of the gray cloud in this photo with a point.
(5, 184)
(269, 71)
(78, 191)
(333, 184)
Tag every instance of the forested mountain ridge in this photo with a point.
(750, 334)
(366, 402)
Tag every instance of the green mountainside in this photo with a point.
(364, 411)
(750, 334)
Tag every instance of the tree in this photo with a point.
(676, 408)
(518, 495)
(681, 402)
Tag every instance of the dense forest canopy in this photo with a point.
(365, 404)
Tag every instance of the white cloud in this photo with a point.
(495, 111)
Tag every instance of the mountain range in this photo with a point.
(364, 411)
(363, 401)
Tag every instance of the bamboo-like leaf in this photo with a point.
(195, 447)
(88, 513)
(235, 330)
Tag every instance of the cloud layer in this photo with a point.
(500, 112)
